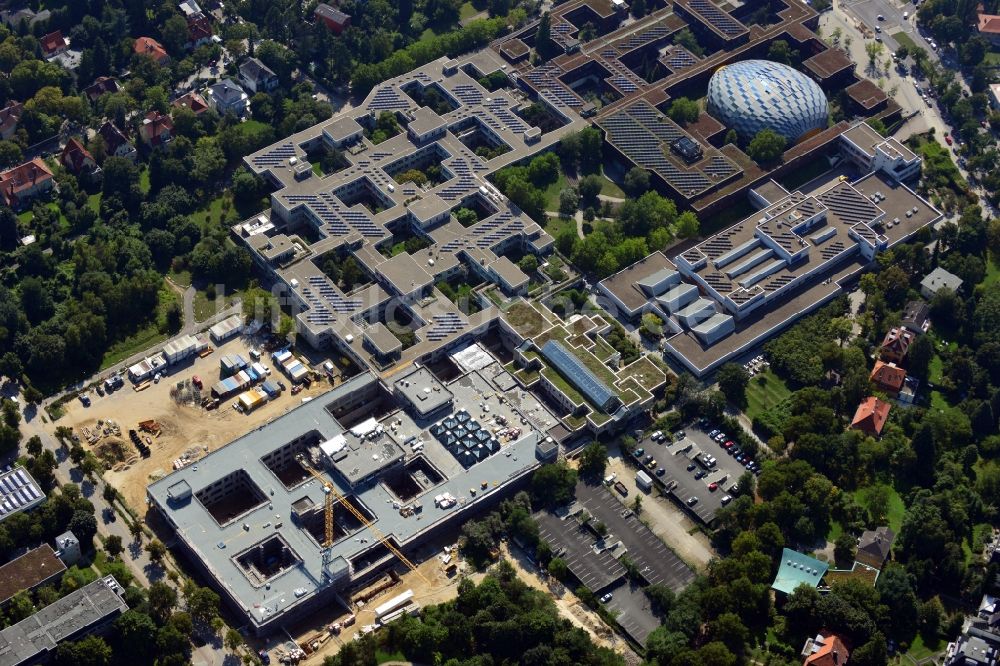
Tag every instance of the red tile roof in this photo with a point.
(53, 42)
(897, 343)
(154, 126)
(832, 652)
(22, 177)
(871, 416)
(75, 157)
(192, 101)
(152, 48)
(888, 376)
(989, 24)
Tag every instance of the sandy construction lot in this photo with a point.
(186, 428)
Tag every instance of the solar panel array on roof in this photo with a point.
(443, 325)
(334, 217)
(325, 300)
(849, 205)
(573, 369)
(488, 233)
(717, 18)
(275, 156)
(679, 58)
(18, 491)
(387, 98)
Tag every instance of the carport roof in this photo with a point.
(798, 569)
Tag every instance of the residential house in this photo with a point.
(937, 280)
(24, 182)
(116, 144)
(193, 101)
(77, 159)
(189, 8)
(875, 546)
(100, 86)
(916, 317)
(199, 31)
(888, 377)
(257, 77)
(334, 19)
(227, 96)
(152, 48)
(871, 416)
(826, 649)
(53, 44)
(896, 344)
(972, 649)
(157, 129)
(989, 27)
(10, 116)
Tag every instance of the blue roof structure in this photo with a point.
(752, 95)
(798, 569)
(570, 367)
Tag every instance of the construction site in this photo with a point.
(292, 517)
(142, 435)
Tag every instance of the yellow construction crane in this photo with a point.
(331, 493)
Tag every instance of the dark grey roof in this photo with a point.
(227, 91)
(332, 13)
(255, 70)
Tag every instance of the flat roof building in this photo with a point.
(32, 570)
(79, 613)
(18, 492)
(797, 569)
(252, 518)
(764, 272)
(937, 280)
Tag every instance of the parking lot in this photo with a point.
(656, 562)
(595, 562)
(575, 545)
(682, 461)
(634, 611)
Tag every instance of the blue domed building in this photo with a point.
(752, 95)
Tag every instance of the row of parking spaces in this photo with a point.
(694, 468)
(633, 611)
(657, 563)
(574, 543)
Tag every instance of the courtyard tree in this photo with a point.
(593, 461)
(733, 380)
(766, 146)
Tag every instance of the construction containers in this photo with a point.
(230, 364)
(393, 604)
(290, 365)
(230, 385)
(643, 481)
(271, 389)
(147, 367)
(226, 329)
(251, 400)
(183, 347)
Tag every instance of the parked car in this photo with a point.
(692, 500)
(661, 472)
(712, 487)
(691, 467)
(606, 598)
(726, 499)
(639, 453)
(700, 474)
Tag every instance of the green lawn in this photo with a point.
(992, 272)
(918, 650)
(935, 370)
(552, 192)
(764, 391)
(144, 180)
(94, 202)
(555, 225)
(938, 401)
(467, 11)
(992, 58)
(609, 188)
(205, 307)
(212, 213)
(180, 278)
(904, 39)
(836, 529)
(894, 515)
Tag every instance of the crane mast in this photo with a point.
(331, 493)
